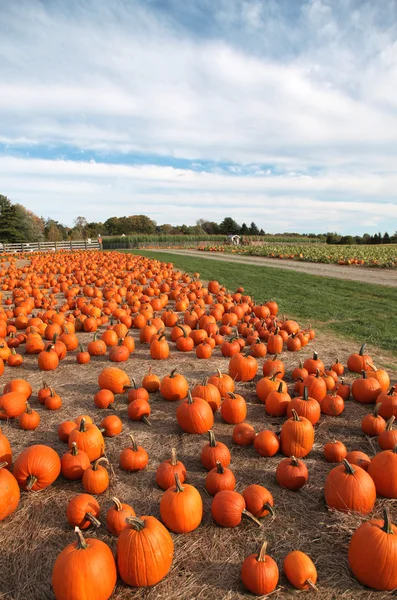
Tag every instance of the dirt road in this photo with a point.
(364, 274)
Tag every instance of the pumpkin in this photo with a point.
(218, 479)
(137, 393)
(88, 438)
(103, 398)
(65, 429)
(387, 439)
(373, 553)
(96, 347)
(243, 434)
(359, 362)
(316, 386)
(184, 343)
(242, 368)
(299, 372)
(37, 467)
(277, 402)
(297, 436)
(312, 365)
(300, 570)
(233, 408)
(139, 410)
(53, 401)
(349, 488)
(373, 424)
(18, 385)
(119, 353)
(337, 367)
(388, 403)
(275, 342)
(30, 419)
(194, 415)
(343, 390)
(258, 500)
(228, 508)
(165, 474)
(77, 568)
(181, 507)
(111, 425)
(356, 457)
(144, 552)
(74, 463)
(151, 382)
(5, 450)
(214, 452)
(12, 404)
(366, 390)
(266, 443)
(305, 407)
(96, 477)
(9, 491)
(332, 404)
(259, 572)
(48, 359)
(159, 349)
(292, 473)
(113, 379)
(82, 511)
(43, 392)
(382, 469)
(116, 516)
(223, 382)
(134, 457)
(335, 451)
(208, 392)
(266, 385)
(380, 375)
(174, 387)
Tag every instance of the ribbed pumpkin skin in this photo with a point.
(256, 497)
(144, 557)
(373, 556)
(259, 577)
(5, 450)
(9, 493)
(90, 441)
(346, 492)
(77, 509)
(227, 508)
(196, 417)
(115, 519)
(292, 476)
(218, 482)
(383, 469)
(113, 379)
(84, 574)
(40, 461)
(298, 568)
(12, 404)
(165, 474)
(181, 511)
(297, 437)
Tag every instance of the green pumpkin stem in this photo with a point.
(295, 461)
(267, 506)
(219, 468)
(81, 543)
(211, 435)
(82, 426)
(172, 374)
(145, 420)
(349, 468)
(74, 449)
(305, 393)
(136, 523)
(362, 350)
(377, 409)
(387, 526)
(31, 480)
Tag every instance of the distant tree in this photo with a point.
(9, 225)
(386, 238)
(244, 229)
(166, 228)
(347, 240)
(52, 231)
(30, 226)
(209, 227)
(229, 227)
(254, 229)
(261, 232)
(141, 224)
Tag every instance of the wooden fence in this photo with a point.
(51, 246)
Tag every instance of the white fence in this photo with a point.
(51, 246)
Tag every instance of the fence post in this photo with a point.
(71, 245)
(55, 245)
(85, 244)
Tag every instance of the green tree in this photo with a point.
(244, 229)
(254, 229)
(9, 227)
(30, 226)
(261, 232)
(229, 227)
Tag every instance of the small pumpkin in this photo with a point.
(228, 508)
(243, 434)
(194, 415)
(82, 511)
(300, 570)
(74, 463)
(165, 474)
(292, 473)
(181, 507)
(218, 479)
(335, 451)
(259, 572)
(349, 488)
(214, 452)
(259, 501)
(133, 458)
(116, 516)
(36, 467)
(9, 491)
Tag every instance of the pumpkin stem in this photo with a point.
(211, 435)
(189, 398)
(362, 350)
(98, 462)
(348, 467)
(172, 374)
(274, 376)
(81, 543)
(74, 449)
(174, 458)
(93, 520)
(280, 388)
(219, 373)
(246, 513)
(117, 504)
(311, 585)
(262, 553)
(31, 480)
(145, 420)
(294, 461)
(305, 394)
(133, 443)
(377, 409)
(387, 526)
(82, 423)
(28, 408)
(3, 464)
(364, 374)
(179, 487)
(295, 415)
(269, 507)
(389, 424)
(219, 467)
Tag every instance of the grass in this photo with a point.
(359, 311)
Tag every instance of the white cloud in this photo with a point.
(273, 87)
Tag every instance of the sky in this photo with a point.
(281, 112)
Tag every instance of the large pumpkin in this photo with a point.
(113, 379)
(37, 467)
(89, 439)
(349, 488)
(297, 436)
(144, 552)
(181, 507)
(84, 569)
(9, 492)
(194, 415)
(383, 469)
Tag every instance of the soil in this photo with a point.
(386, 277)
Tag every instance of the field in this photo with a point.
(207, 561)
(382, 256)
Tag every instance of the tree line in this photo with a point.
(18, 224)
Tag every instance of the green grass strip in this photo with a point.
(355, 310)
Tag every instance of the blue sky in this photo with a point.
(282, 112)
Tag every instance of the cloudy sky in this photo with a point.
(282, 112)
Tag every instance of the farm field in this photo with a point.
(106, 287)
(382, 256)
